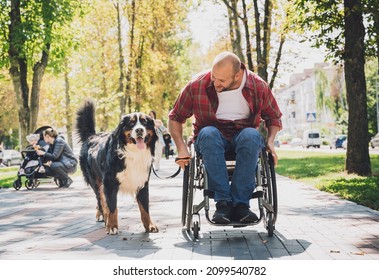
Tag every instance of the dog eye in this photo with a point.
(143, 121)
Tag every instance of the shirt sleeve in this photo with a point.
(183, 107)
(270, 110)
(56, 152)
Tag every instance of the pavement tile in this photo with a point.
(51, 223)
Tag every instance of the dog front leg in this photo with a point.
(143, 204)
(111, 216)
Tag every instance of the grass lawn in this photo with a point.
(9, 174)
(326, 172)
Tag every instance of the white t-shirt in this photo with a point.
(232, 105)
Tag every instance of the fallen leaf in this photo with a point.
(358, 253)
(334, 251)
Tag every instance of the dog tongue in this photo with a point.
(140, 144)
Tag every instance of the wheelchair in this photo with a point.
(195, 179)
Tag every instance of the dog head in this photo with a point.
(137, 129)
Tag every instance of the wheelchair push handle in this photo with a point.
(182, 161)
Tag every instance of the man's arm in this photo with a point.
(176, 130)
(272, 131)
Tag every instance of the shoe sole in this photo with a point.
(221, 220)
(249, 219)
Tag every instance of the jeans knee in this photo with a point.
(209, 132)
(209, 138)
(250, 137)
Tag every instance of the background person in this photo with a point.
(167, 144)
(1, 156)
(160, 130)
(61, 159)
(228, 103)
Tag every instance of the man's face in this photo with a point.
(223, 78)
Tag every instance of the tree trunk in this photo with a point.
(357, 160)
(69, 127)
(38, 72)
(235, 32)
(120, 61)
(139, 65)
(18, 70)
(132, 19)
(265, 58)
(277, 61)
(247, 37)
(28, 104)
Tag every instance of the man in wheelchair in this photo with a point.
(228, 103)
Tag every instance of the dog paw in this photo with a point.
(153, 229)
(112, 231)
(99, 216)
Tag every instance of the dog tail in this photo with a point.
(85, 120)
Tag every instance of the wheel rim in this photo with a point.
(29, 184)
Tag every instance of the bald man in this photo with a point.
(228, 103)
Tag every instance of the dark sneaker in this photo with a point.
(243, 214)
(223, 212)
(66, 183)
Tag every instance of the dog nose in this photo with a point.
(139, 131)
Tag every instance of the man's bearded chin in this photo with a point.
(232, 84)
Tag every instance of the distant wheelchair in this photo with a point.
(195, 179)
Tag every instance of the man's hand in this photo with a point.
(271, 149)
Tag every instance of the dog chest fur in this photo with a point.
(133, 179)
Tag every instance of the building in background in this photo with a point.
(314, 99)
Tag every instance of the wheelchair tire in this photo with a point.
(274, 189)
(269, 193)
(196, 230)
(270, 224)
(187, 196)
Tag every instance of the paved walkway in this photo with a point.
(53, 223)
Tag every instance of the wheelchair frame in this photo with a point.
(195, 178)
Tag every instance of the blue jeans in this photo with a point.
(247, 144)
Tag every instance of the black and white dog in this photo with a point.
(117, 161)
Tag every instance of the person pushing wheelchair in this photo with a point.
(228, 103)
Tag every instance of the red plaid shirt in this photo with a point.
(199, 98)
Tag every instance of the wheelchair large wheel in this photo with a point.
(270, 201)
(187, 195)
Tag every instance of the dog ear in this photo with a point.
(150, 122)
(151, 126)
(118, 133)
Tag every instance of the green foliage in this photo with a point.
(326, 172)
(325, 21)
(372, 79)
(364, 191)
(40, 24)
